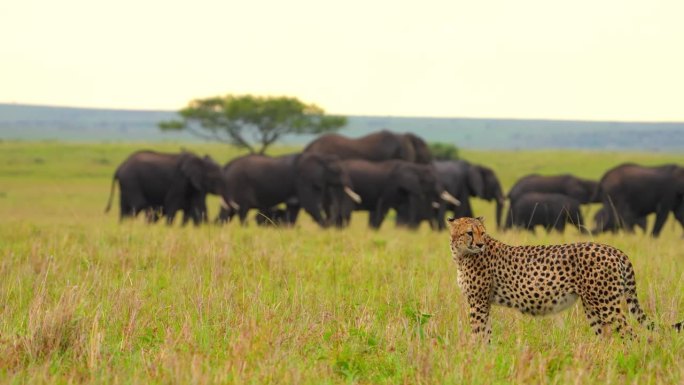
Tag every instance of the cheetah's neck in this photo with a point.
(494, 249)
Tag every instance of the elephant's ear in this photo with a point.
(492, 186)
(407, 149)
(421, 150)
(476, 182)
(192, 168)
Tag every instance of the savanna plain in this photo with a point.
(88, 299)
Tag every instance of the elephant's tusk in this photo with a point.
(234, 204)
(435, 205)
(449, 198)
(354, 196)
(224, 205)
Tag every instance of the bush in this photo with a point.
(444, 151)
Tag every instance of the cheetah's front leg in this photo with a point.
(480, 325)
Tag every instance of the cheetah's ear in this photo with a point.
(481, 219)
(451, 219)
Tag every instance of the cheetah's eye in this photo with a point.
(470, 233)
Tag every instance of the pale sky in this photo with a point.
(580, 59)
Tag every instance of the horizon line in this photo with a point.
(18, 104)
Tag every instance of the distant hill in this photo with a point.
(26, 122)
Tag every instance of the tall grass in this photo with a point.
(86, 299)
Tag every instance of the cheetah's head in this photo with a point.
(467, 235)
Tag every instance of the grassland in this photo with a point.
(86, 299)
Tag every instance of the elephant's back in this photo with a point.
(147, 161)
(632, 179)
(535, 183)
(377, 146)
(257, 164)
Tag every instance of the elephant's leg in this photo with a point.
(508, 223)
(375, 217)
(192, 214)
(170, 210)
(580, 223)
(560, 225)
(441, 217)
(170, 216)
(131, 203)
(628, 219)
(186, 218)
(371, 218)
(125, 211)
(152, 214)
(198, 218)
(242, 214)
(661, 217)
(378, 215)
(224, 215)
(464, 210)
(291, 214)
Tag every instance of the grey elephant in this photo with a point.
(194, 209)
(275, 216)
(630, 191)
(550, 210)
(584, 190)
(297, 180)
(394, 184)
(151, 181)
(375, 147)
(463, 180)
(604, 220)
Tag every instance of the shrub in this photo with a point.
(444, 151)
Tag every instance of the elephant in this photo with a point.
(155, 182)
(297, 180)
(375, 147)
(274, 216)
(584, 190)
(630, 192)
(195, 210)
(550, 210)
(604, 220)
(463, 179)
(393, 184)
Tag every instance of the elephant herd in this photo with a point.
(628, 194)
(334, 176)
(330, 179)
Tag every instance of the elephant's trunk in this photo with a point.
(312, 203)
(499, 211)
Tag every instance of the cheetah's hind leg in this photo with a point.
(604, 317)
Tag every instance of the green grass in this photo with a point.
(86, 299)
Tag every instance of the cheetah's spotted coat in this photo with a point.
(541, 280)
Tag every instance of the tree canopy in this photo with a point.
(249, 121)
(444, 151)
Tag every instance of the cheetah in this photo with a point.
(540, 280)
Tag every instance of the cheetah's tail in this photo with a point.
(631, 297)
(630, 294)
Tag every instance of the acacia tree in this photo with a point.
(249, 121)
